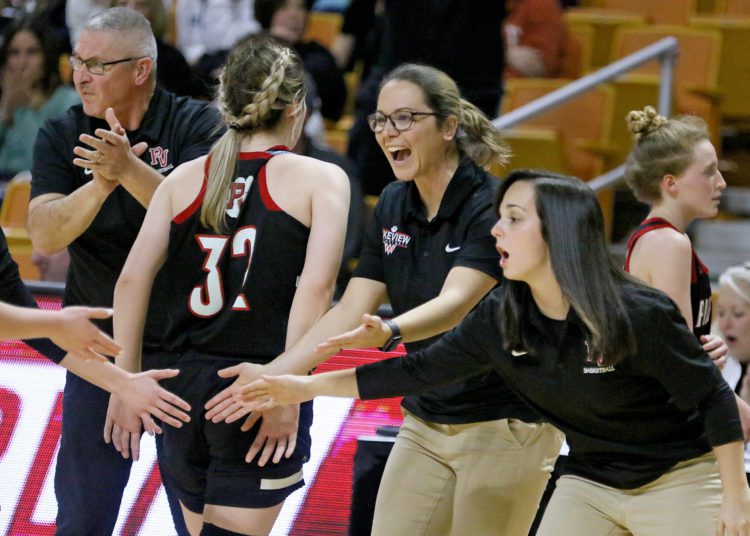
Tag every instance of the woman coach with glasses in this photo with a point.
(462, 463)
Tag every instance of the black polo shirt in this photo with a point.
(413, 256)
(626, 424)
(13, 291)
(177, 129)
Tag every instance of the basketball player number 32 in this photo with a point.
(207, 299)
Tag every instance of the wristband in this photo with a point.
(394, 339)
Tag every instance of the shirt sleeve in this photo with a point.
(670, 352)
(370, 265)
(203, 128)
(478, 250)
(460, 354)
(14, 292)
(52, 171)
(721, 417)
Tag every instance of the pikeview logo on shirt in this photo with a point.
(393, 238)
(160, 159)
(598, 369)
(237, 195)
(598, 359)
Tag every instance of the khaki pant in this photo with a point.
(468, 479)
(684, 501)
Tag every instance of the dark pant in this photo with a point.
(91, 475)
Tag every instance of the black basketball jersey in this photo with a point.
(700, 285)
(230, 294)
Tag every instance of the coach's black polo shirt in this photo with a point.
(177, 129)
(413, 256)
(626, 424)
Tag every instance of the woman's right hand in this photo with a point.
(371, 333)
(716, 349)
(735, 515)
(225, 406)
(74, 332)
(272, 391)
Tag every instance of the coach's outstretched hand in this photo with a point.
(272, 391)
(371, 333)
(226, 405)
(74, 333)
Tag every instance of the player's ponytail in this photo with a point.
(261, 78)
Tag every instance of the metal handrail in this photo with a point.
(665, 50)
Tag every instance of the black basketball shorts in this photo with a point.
(205, 462)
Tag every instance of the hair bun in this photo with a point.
(644, 122)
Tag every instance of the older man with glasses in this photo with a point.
(94, 172)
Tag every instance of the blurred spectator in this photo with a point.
(535, 38)
(361, 35)
(334, 6)
(50, 12)
(460, 37)
(287, 20)
(172, 70)
(207, 29)
(77, 12)
(31, 92)
(52, 267)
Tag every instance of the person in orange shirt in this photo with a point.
(535, 37)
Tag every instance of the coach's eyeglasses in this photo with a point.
(401, 120)
(95, 66)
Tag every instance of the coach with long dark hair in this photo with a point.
(604, 358)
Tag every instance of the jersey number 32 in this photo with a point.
(207, 299)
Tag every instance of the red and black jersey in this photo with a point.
(700, 285)
(230, 294)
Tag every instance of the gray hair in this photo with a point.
(134, 27)
(737, 279)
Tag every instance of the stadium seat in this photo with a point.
(656, 11)
(696, 73)
(15, 207)
(337, 139)
(323, 27)
(13, 215)
(632, 92)
(534, 147)
(584, 122)
(578, 50)
(734, 69)
(734, 7)
(603, 23)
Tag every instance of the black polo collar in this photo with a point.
(466, 179)
(153, 120)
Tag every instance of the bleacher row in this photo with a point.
(586, 136)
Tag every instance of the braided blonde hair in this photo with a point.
(477, 137)
(662, 147)
(260, 79)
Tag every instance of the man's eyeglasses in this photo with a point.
(401, 120)
(95, 66)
